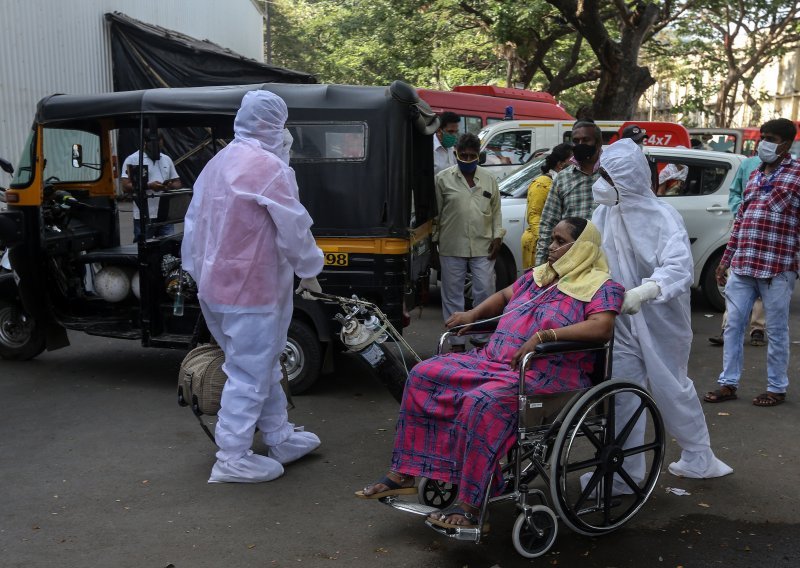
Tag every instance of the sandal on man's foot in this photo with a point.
(769, 399)
(440, 519)
(394, 488)
(723, 393)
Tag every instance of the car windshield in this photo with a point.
(516, 185)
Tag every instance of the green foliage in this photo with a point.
(443, 43)
(726, 45)
(373, 42)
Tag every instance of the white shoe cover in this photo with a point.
(699, 467)
(620, 487)
(250, 468)
(297, 445)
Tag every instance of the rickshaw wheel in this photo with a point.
(436, 493)
(20, 338)
(303, 357)
(535, 531)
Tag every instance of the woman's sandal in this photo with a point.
(769, 399)
(441, 519)
(722, 394)
(394, 489)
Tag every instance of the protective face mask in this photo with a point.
(767, 151)
(583, 152)
(448, 139)
(286, 146)
(153, 150)
(467, 167)
(604, 193)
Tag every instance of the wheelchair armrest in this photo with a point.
(551, 347)
(476, 329)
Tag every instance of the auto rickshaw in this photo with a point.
(363, 162)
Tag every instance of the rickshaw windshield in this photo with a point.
(58, 145)
(23, 176)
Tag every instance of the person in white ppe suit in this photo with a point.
(245, 235)
(648, 252)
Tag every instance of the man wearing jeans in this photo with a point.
(468, 229)
(762, 257)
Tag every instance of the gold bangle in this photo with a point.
(539, 337)
(555, 337)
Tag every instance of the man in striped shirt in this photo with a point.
(571, 193)
(762, 257)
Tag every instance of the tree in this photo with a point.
(733, 42)
(373, 42)
(616, 32)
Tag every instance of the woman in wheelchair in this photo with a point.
(459, 410)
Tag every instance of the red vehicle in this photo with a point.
(660, 133)
(479, 105)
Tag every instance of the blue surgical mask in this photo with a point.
(467, 167)
(768, 151)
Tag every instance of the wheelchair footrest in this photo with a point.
(408, 506)
(458, 533)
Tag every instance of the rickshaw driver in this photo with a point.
(161, 176)
(246, 235)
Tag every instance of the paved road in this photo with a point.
(100, 467)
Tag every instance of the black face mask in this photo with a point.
(583, 152)
(153, 150)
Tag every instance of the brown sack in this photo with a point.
(201, 379)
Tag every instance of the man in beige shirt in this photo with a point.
(468, 230)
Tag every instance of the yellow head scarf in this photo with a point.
(581, 271)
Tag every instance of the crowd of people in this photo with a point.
(610, 260)
(628, 268)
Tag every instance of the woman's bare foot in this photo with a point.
(452, 516)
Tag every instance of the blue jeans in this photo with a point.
(740, 294)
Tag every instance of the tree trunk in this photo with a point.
(622, 80)
(619, 91)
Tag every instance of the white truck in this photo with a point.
(510, 144)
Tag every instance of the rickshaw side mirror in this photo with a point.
(482, 157)
(6, 166)
(77, 155)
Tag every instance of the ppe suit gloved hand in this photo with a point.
(308, 285)
(635, 297)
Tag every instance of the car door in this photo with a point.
(701, 197)
(507, 150)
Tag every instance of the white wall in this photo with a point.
(63, 46)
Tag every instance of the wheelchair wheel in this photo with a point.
(535, 531)
(602, 470)
(436, 493)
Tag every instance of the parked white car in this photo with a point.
(701, 199)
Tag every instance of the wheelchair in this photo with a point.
(568, 459)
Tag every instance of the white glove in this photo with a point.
(635, 297)
(308, 285)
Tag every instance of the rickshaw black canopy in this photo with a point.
(368, 197)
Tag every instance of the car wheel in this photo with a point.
(20, 338)
(505, 270)
(711, 290)
(303, 353)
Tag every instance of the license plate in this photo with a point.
(336, 258)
